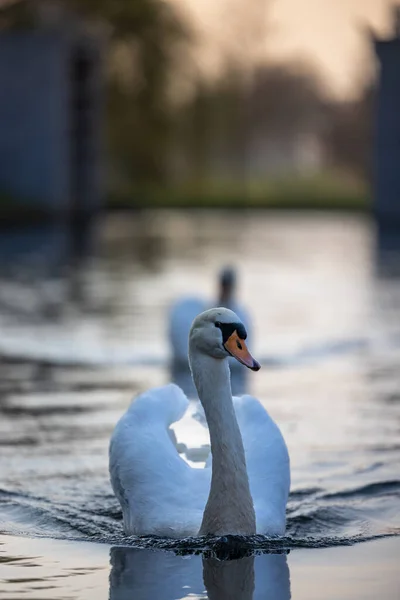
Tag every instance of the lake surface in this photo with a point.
(80, 336)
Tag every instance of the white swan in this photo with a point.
(180, 319)
(244, 491)
(185, 310)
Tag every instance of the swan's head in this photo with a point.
(220, 333)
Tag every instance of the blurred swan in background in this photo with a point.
(242, 490)
(181, 317)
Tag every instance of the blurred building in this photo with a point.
(51, 102)
(387, 133)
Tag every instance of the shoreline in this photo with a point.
(22, 216)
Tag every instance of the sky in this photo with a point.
(329, 34)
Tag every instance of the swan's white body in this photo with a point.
(160, 494)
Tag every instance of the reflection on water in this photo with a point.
(388, 250)
(296, 280)
(138, 573)
(305, 280)
(320, 312)
(250, 578)
(43, 569)
(48, 250)
(229, 579)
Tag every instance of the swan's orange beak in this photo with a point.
(238, 349)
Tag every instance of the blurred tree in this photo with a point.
(227, 123)
(284, 97)
(231, 124)
(349, 135)
(208, 128)
(145, 39)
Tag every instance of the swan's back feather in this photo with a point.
(158, 491)
(166, 405)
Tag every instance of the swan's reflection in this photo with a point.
(145, 574)
(229, 579)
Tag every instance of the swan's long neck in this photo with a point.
(229, 508)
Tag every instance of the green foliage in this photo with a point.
(139, 115)
(138, 18)
(224, 129)
(326, 191)
(138, 110)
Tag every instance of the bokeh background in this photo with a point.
(148, 145)
(275, 122)
(165, 103)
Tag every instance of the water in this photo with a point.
(77, 343)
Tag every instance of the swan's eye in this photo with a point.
(238, 344)
(217, 323)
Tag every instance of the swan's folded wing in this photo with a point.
(149, 478)
(160, 406)
(140, 447)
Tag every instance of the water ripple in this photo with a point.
(314, 521)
